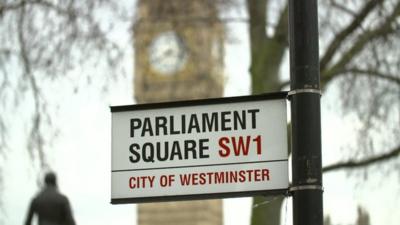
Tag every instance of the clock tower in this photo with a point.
(178, 50)
(178, 47)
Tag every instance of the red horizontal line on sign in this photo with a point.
(190, 166)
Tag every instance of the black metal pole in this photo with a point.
(305, 113)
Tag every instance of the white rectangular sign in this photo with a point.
(199, 149)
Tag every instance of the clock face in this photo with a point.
(167, 53)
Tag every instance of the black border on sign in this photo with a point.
(153, 199)
(196, 102)
(199, 102)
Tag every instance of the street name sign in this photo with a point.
(212, 148)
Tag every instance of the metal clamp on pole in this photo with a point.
(302, 91)
(305, 187)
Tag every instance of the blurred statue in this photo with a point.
(50, 206)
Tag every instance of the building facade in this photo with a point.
(178, 47)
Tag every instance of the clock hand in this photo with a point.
(160, 56)
(168, 52)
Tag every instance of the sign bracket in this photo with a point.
(304, 90)
(305, 187)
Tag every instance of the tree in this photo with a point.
(359, 43)
(44, 43)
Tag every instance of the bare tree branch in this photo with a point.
(353, 164)
(11, 6)
(363, 39)
(343, 8)
(21, 4)
(36, 137)
(42, 41)
(355, 71)
(373, 73)
(340, 37)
